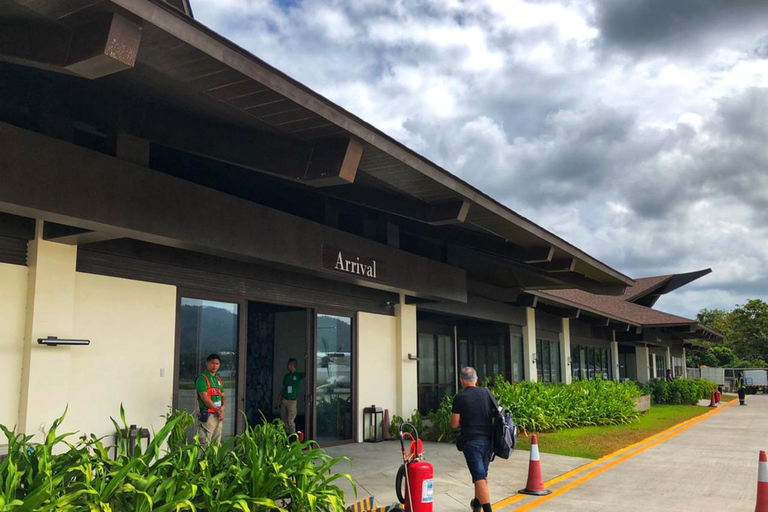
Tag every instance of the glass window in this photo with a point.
(446, 370)
(426, 357)
(677, 364)
(539, 361)
(334, 378)
(554, 351)
(546, 361)
(518, 359)
(208, 327)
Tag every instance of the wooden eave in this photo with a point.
(188, 66)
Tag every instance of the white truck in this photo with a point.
(757, 380)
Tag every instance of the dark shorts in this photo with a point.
(477, 452)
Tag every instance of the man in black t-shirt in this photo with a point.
(473, 411)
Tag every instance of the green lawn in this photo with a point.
(595, 442)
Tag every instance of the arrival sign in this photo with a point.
(350, 263)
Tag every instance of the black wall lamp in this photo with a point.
(53, 341)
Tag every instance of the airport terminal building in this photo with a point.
(164, 194)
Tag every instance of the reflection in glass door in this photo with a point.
(208, 327)
(333, 379)
(437, 371)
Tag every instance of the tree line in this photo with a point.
(745, 331)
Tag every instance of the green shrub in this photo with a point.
(677, 391)
(541, 407)
(260, 470)
(397, 422)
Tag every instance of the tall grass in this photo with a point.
(260, 470)
(541, 407)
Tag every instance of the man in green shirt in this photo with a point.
(289, 394)
(211, 402)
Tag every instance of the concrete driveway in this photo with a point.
(708, 467)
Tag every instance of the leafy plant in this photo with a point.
(397, 422)
(260, 470)
(677, 391)
(541, 407)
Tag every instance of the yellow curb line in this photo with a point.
(609, 465)
(517, 497)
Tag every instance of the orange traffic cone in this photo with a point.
(762, 484)
(712, 402)
(535, 485)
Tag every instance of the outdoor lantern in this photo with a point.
(373, 424)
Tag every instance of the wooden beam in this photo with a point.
(452, 212)
(556, 266)
(448, 213)
(108, 194)
(333, 163)
(526, 301)
(102, 47)
(571, 313)
(326, 163)
(70, 235)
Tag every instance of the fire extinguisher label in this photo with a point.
(427, 491)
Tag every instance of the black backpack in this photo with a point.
(504, 434)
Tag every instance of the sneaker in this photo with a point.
(476, 506)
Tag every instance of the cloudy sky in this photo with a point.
(637, 130)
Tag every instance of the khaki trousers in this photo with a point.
(209, 431)
(288, 413)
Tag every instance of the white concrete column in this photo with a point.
(653, 370)
(46, 370)
(407, 370)
(641, 359)
(669, 361)
(529, 345)
(565, 351)
(685, 365)
(615, 356)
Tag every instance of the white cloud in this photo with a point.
(650, 156)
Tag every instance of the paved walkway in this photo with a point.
(374, 467)
(707, 465)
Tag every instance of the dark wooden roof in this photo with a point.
(189, 67)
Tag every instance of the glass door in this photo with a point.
(334, 411)
(208, 327)
(436, 369)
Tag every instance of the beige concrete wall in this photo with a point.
(131, 326)
(407, 370)
(377, 363)
(50, 312)
(565, 351)
(13, 301)
(529, 345)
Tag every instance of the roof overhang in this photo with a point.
(216, 84)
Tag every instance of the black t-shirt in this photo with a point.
(476, 409)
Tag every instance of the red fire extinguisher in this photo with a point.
(417, 473)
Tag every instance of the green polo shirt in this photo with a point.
(202, 387)
(291, 384)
